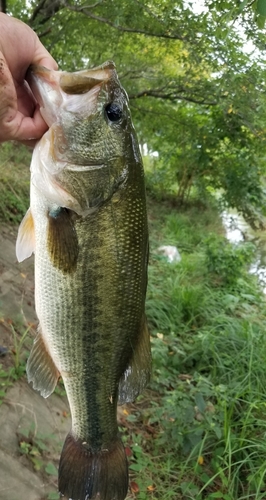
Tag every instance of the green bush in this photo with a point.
(227, 261)
(206, 408)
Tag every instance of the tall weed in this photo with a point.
(207, 408)
(14, 181)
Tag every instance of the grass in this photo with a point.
(13, 364)
(18, 348)
(198, 432)
(201, 430)
(14, 182)
(36, 448)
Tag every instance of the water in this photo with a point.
(235, 227)
(237, 231)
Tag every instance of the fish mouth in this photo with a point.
(76, 83)
(76, 92)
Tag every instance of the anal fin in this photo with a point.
(137, 374)
(41, 370)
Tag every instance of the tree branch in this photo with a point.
(173, 95)
(84, 10)
(46, 9)
(149, 11)
(170, 116)
(44, 33)
(36, 11)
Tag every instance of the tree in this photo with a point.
(3, 6)
(197, 97)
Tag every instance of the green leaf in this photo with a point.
(37, 462)
(41, 445)
(261, 22)
(261, 7)
(218, 431)
(242, 5)
(217, 494)
(53, 496)
(205, 478)
(136, 467)
(25, 432)
(142, 495)
(200, 402)
(34, 451)
(51, 469)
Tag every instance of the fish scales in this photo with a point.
(87, 225)
(83, 297)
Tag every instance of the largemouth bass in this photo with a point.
(87, 226)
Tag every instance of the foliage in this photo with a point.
(14, 182)
(18, 345)
(13, 367)
(196, 88)
(7, 378)
(199, 431)
(37, 449)
(252, 14)
(225, 260)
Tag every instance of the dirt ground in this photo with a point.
(32, 429)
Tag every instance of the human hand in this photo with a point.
(20, 117)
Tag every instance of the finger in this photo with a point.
(28, 129)
(42, 57)
(49, 63)
(26, 102)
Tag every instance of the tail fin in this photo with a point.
(84, 475)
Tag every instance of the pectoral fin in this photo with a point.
(41, 370)
(137, 374)
(25, 244)
(62, 240)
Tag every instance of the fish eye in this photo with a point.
(113, 112)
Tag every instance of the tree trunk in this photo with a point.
(3, 6)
